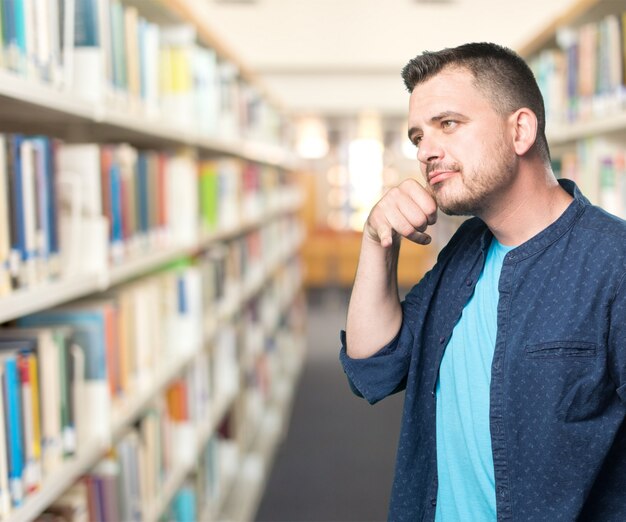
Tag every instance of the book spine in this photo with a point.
(17, 218)
(86, 26)
(42, 204)
(19, 43)
(5, 229)
(29, 253)
(53, 215)
(5, 493)
(14, 430)
(32, 472)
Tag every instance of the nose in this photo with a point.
(429, 150)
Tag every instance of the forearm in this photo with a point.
(374, 313)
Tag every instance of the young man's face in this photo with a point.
(464, 147)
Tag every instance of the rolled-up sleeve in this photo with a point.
(384, 372)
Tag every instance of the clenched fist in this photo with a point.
(404, 211)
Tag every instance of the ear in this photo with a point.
(524, 128)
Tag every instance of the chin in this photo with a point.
(458, 206)
(458, 210)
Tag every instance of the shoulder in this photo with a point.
(600, 226)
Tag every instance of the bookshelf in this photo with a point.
(206, 209)
(580, 64)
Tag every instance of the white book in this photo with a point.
(182, 199)
(83, 230)
(55, 32)
(30, 37)
(82, 162)
(151, 68)
(43, 39)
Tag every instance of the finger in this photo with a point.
(399, 201)
(422, 198)
(412, 212)
(405, 228)
(385, 233)
(420, 238)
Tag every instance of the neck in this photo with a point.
(530, 204)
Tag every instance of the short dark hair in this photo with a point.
(498, 72)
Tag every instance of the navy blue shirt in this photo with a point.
(558, 376)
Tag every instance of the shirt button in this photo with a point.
(501, 491)
(469, 282)
(433, 502)
(442, 340)
(496, 364)
(496, 428)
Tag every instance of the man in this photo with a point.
(512, 349)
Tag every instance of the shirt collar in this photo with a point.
(550, 234)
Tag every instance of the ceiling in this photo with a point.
(341, 57)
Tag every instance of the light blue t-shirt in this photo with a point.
(464, 459)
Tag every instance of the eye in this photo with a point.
(417, 140)
(448, 124)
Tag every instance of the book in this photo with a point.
(15, 443)
(184, 504)
(5, 493)
(18, 237)
(27, 367)
(5, 230)
(105, 479)
(88, 59)
(83, 229)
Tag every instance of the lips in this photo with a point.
(437, 176)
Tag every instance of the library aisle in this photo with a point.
(336, 462)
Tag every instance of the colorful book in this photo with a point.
(15, 441)
(27, 365)
(5, 493)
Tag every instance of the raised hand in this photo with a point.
(404, 211)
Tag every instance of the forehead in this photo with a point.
(450, 90)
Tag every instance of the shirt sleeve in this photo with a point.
(617, 340)
(385, 372)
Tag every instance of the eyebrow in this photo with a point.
(438, 117)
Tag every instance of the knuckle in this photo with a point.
(420, 223)
(393, 192)
(406, 230)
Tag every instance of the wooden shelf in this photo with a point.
(48, 294)
(33, 106)
(609, 125)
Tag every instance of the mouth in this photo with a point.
(437, 176)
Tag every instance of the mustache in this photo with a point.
(441, 166)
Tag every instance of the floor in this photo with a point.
(336, 463)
